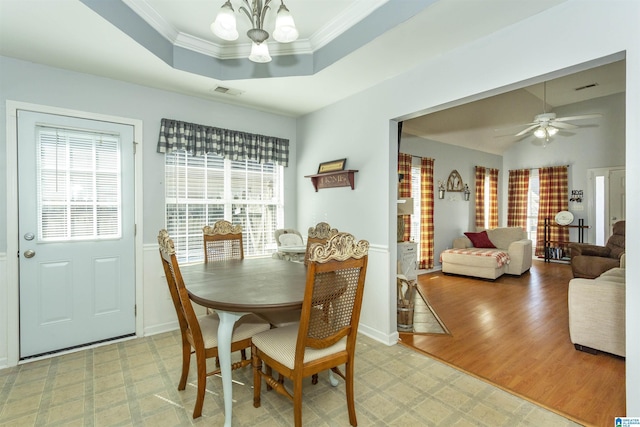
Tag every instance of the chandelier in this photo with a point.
(285, 31)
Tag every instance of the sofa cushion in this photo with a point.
(614, 272)
(480, 240)
(609, 279)
(502, 237)
(616, 275)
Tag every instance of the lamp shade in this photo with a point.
(260, 52)
(285, 31)
(405, 206)
(224, 25)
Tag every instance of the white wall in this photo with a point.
(36, 84)
(361, 129)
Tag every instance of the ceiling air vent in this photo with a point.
(586, 86)
(226, 91)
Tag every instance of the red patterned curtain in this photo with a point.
(426, 214)
(518, 196)
(404, 189)
(493, 198)
(554, 190)
(480, 176)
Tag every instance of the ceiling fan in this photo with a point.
(546, 125)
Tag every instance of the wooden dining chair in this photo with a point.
(325, 338)
(200, 335)
(318, 234)
(222, 241)
(281, 318)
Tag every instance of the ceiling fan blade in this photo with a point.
(585, 116)
(530, 128)
(514, 126)
(561, 125)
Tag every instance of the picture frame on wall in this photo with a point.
(332, 166)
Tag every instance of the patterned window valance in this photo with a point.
(199, 140)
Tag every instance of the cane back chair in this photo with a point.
(222, 241)
(200, 335)
(325, 338)
(318, 234)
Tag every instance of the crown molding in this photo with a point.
(354, 13)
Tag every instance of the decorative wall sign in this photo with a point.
(333, 179)
(332, 166)
(576, 196)
(454, 182)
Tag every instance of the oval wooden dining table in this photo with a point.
(234, 288)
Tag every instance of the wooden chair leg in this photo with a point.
(349, 390)
(186, 362)
(202, 384)
(268, 371)
(297, 401)
(257, 380)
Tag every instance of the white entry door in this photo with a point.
(607, 201)
(76, 231)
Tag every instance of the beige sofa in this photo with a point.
(597, 312)
(466, 260)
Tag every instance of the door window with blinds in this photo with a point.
(202, 190)
(79, 176)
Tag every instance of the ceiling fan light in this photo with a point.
(260, 53)
(224, 25)
(552, 130)
(285, 31)
(540, 133)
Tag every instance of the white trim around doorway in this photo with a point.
(12, 265)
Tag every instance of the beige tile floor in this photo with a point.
(134, 383)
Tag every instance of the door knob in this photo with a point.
(29, 253)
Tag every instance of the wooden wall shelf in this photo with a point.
(333, 179)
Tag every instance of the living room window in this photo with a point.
(415, 218)
(487, 201)
(203, 189)
(533, 199)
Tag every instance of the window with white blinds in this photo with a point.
(203, 190)
(79, 191)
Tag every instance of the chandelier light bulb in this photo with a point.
(224, 25)
(552, 130)
(286, 31)
(260, 53)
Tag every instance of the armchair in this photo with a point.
(590, 261)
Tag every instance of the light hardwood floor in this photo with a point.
(514, 333)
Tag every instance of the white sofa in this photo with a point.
(597, 312)
(466, 260)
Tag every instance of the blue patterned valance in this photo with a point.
(199, 140)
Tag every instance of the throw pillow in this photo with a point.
(480, 240)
